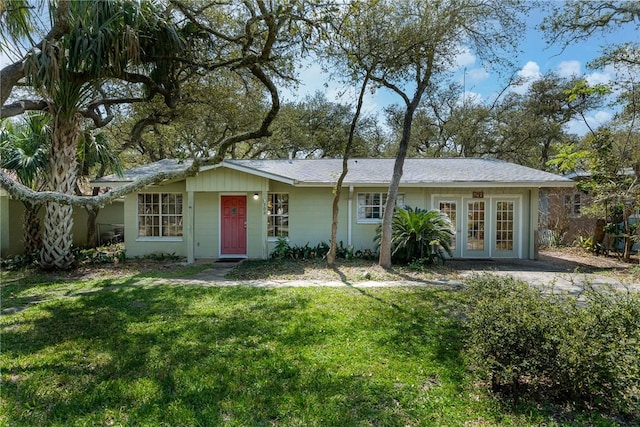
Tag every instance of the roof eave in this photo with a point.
(258, 172)
(453, 184)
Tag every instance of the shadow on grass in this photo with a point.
(148, 355)
(190, 356)
(265, 269)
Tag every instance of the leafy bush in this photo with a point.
(584, 242)
(419, 234)
(101, 255)
(282, 249)
(18, 261)
(526, 342)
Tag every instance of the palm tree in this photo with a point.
(104, 39)
(419, 234)
(24, 150)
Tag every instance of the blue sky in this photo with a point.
(535, 60)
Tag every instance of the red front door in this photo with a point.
(234, 225)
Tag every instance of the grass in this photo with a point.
(125, 351)
(351, 271)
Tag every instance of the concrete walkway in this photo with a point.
(536, 273)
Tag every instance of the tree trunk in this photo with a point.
(58, 220)
(628, 238)
(92, 233)
(331, 255)
(31, 227)
(387, 220)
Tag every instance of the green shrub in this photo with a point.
(556, 347)
(282, 249)
(419, 234)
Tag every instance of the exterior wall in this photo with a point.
(310, 211)
(365, 232)
(206, 225)
(138, 246)
(225, 180)
(12, 238)
(5, 238)
(565, 224)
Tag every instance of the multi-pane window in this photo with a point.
(572, 203)
(159, 215)
(278, 215)
(449, 208)
(371, 206)
(475, 226)
(504, 226)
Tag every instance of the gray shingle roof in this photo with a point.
(455, 172)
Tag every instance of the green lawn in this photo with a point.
(127, 352)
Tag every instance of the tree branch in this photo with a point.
(21, 106)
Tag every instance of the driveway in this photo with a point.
(562, 274)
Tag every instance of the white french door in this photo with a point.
(506, 234)
(449, 206)
(483, 227)
(475, 227)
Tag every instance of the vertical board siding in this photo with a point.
(223, 179)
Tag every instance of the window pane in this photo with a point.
(475, 226)
(277, 215)
(504, 226)
(160, 214)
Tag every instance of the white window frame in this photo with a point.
(273, 214)
(382, 197)
(162, 213)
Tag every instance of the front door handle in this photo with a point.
(245, 225)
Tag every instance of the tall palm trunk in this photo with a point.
(31, 228)
(58, 220)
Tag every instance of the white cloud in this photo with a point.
(464, 58)
(605, 76)
(530, 71)
(595, 120)
(569, 69)
(477, 74)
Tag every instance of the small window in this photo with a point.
(159, 215)
(278, 215)
(371, 206)
(573, 204)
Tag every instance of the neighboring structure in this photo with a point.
(239, 208)
(563, 219)
(109, 223)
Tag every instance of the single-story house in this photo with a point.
(239, 208)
